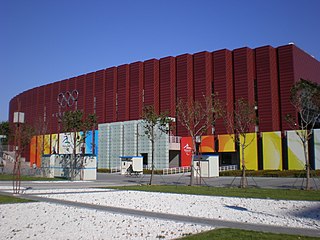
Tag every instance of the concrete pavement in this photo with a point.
(115, 179)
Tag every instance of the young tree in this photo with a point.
(154, 125)
(305, 97)
(22, 138)
(197, 117)
(74, 121)
(239, 122)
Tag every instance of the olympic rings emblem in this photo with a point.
(67, 98)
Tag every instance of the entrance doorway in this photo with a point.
(145, 159)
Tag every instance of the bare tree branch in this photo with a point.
(305, 97)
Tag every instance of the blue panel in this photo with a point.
(89, 143)
(96, 145)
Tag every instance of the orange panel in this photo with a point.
(207, 144)
(33, 150)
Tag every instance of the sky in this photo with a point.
(44, 41)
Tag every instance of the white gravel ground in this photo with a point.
(51, 221)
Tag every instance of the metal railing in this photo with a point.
(176, 170)
(228, 168)
(114, 170)
(174, 139)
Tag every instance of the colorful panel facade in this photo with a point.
(39, 150)
(46, 144)
(89, 141)
(33, 150)
(65, 143)
(54, 143)
(207, 144)
(250, 152)
(272, 151)
(226, 143)
(296, 159)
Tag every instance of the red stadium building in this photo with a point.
(263, 75)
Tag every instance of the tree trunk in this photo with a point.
(243, 183)
(192, 162)
(152, 157)
(73, 158)
(306, 157)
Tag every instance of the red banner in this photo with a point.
(186, 147)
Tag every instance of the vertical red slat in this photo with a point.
(185, 88)
(100, 96)
(267, 89)
(286, 79)
(135, 89)
(111, 95)
(202, 64)
(151, 84)
(167, 83)
(244, 74)
(89, 93)
(123, 92)
(223, 83)
(243, 66)
(81, 90)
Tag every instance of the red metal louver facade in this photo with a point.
(263, 76)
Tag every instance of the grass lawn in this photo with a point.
(9, 177)
(227, 233)
(8, 199)
(285, 194)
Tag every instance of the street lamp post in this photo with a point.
(18, 119)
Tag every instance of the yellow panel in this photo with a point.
(46, 144)
(54, 143)
(296, 159)
(250, 152)
(226, 143)
(272, 151)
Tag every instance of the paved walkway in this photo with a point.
(167, 216)
(115, 179)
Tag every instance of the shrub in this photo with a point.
(272, 173)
